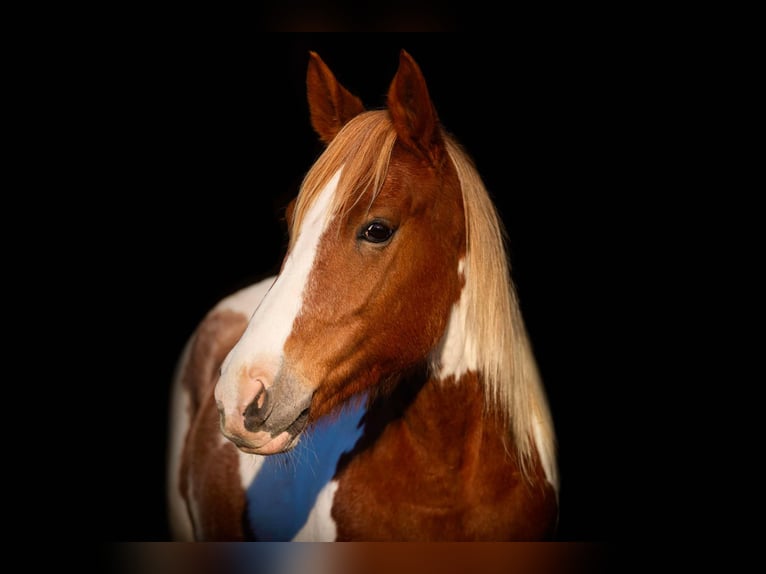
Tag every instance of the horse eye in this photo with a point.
(376, 232)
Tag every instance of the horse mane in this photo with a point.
(494, 325)
(492, 322)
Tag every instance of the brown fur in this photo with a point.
(437, 466)
(210, 468)
(440, 471)
(412, 112)
(340, 105)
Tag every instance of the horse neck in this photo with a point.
(443, 419)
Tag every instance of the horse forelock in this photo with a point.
(361, 151)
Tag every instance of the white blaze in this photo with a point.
(270, 325)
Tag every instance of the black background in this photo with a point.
(194, 154)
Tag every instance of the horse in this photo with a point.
(381, 386)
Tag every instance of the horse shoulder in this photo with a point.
(507, 503)
(461, 481)
(193, 425)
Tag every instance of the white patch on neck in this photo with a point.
(249, 465)
(456, 354)
(320, 526)
(270, 325)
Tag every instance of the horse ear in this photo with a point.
(330, 104)
(412, 111)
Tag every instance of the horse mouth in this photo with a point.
(297, 426)
(275, 443)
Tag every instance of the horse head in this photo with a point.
(373, 268)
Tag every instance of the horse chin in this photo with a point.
(273, 444)
(280, 443)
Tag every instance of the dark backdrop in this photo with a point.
(197, 152)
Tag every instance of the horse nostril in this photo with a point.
(257, 411)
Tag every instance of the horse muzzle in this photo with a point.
(265, 420)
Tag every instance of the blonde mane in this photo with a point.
(493, 321)
(512, 384)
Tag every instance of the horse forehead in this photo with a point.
(409, 177)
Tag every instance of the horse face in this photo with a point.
(361, 296)
(365, 291)
(383, 283)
